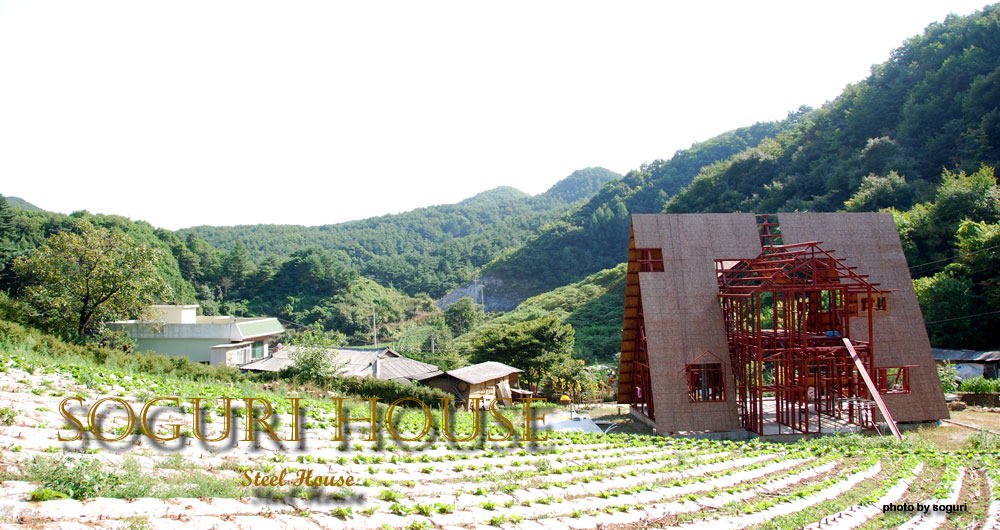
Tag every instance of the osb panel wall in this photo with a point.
(682, 312)
(870, 242)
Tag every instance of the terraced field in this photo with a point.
(569, 481)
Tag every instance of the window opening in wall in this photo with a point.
(705, 382)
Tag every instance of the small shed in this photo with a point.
(970, 363)
(490, 381)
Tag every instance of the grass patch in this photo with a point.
(86, 479)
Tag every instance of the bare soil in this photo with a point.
(951, 436)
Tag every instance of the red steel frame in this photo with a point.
(812, 296)
(897, 382)
(705, 382)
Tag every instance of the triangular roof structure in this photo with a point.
(800, 263)
(673, 306)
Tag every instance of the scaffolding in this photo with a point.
(787, 312)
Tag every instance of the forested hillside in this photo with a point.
(21, 204)
(595, 236)
(340, 277)
(920, 136)
(594, 306)
(427, 251)
(932, 105)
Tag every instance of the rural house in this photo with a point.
(379, 364)
(970, 364)
(178, 331)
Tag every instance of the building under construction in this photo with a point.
(775, 324)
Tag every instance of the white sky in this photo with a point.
(195, 112)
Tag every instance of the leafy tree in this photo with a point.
(946, 300)
(449, 359)
(877, 192)
(967, 196)
(313, 356)
(951, 244)
(948, 375)
(309, 272)
(236, 308)
(979, 244)
(535, 346)
(572, 379)
(463, 315)
(81, 278)
(883, 154)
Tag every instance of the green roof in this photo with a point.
(257, 328)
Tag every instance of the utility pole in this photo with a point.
(432, 343)
(374, 329)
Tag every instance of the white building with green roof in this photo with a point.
(178, 331)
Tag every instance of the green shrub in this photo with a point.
(79, 479)
(979, 385)
(387, 391)
(948, 376)
(7, 416)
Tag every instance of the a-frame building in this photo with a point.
(739, 321)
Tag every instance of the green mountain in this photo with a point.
(426, 251)
(595, 235)
(881, 144)
(496, 195)
(337, 276)
(933, 105)
(920, 135)
(21, 204)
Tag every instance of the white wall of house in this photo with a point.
(174, 314)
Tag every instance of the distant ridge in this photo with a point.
(21, 204)
(426, 251)
(581, 184)
(499, 194)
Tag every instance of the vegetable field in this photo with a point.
(569, 481)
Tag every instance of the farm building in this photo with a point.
(379, 364)
(178, 331)
(797, 323)
(489, 381)
(970, 364)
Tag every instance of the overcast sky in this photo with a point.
(185, 113)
